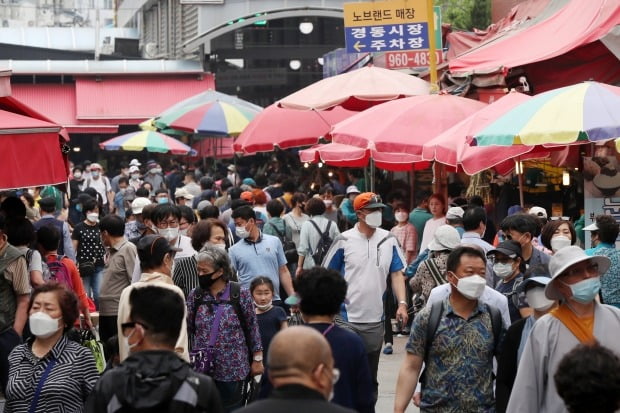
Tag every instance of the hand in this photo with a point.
(257, 368)
(417, 398)
(88, 322)
(401, 314)
(298, 271)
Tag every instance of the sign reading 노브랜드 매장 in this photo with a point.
(386, 26)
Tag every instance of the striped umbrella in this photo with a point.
(150, 140)
(585, 112)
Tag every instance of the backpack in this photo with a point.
(57, 271)
(287, 207)
(290, 249)
(325, 241)
(433, 323)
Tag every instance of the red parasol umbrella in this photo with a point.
(341, 155)
(357, 90)
(287, 128)
(404, 125)
(452, 148)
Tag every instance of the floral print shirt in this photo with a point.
(231, 353)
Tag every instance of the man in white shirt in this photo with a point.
(102, 185)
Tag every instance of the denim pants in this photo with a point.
(92, 284)
(231, 393)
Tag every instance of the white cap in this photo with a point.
(231, 168)
(138, 204)
(446, 238)
(202, 204)
(455, 212)
(133, 169)
(182, 193)
(538, 212)
(352, 189)
(134, 162)
(591, 227)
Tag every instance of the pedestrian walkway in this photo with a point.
(389, 366)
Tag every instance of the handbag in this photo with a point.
(203, 360)
(86, 269)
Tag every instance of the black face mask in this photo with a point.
(205, 281)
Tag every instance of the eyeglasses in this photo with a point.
(132, 324)
(560, 218)
(173, 223)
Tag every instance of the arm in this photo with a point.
(286, 281)
(67, 242)
(17, 274)
(78, 287)
(249, 315)
(398, 286)
(76, 244)
(21, 314)
(407, 381)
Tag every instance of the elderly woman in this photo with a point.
(50, 373)
(210, 232)
(222, 328)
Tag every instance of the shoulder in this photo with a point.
(18, 353)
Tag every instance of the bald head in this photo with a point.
(301, 355)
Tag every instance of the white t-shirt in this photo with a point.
(429, 231)
(102, 185)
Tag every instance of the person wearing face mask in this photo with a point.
(346, 206)
(301, 369)
(406, 233)
(223, 330)
(90, 250)
(603, 234)
(575, 282)
(533, 287)
(557, 234)
(209, 232)
(75, 188)
(368, 257)
(326, 193)
(523, 228)
(49, 372)
(101, 184)
(459, 359)
(156, 256)
(134, 177)
(48, 208)
(121, 261)
(508, 266)
(310, 233)
(124, 173)
(258, 254)
(153, 377)
(154, 176)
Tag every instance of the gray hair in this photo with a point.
(217, 257)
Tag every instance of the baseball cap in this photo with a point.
(367, 200)
(134, 162)
(47, 202)
(133, 169)
(352, 189)
(249, 181)
(537, 211)
(152, 248)
(446, 237)
(182, 193)
(95, 166)
(455, 212)
(138, 204)
(511, 249)
(202, 204)
(537, 280)
(231, 168)
(591, 227)
(566, 257)
(247, 196)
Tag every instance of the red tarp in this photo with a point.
(578, 23)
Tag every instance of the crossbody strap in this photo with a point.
(434, 270)
(37, 392)
(219, 312)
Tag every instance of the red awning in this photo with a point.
(13, 123)
(57, 102)
(132, 100)
(577, 23)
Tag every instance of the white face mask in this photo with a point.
(401, 216)
(77, 175)
(328, 203)
(126, 340)
(219, 246)
(503, 270)
(169, 233)
(42, 325)
(537, 300)
(263, 307)
(374, 219)
(471, 287)
(135, 177)
(242, 232)
(183, 232)
(559, 242)
(94, 217)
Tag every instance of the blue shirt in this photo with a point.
(253, 259)
(610, 281)
(459, 376)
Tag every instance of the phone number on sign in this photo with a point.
(411, 59)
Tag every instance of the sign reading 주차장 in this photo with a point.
(386, 26)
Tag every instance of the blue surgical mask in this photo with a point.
(78, 207)
(162, 200)
(584, 291)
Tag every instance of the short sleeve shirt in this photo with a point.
(90, 247)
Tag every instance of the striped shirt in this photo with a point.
(185, 274)
(67, 386)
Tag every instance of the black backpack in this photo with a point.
(289, 247)
(325, 241)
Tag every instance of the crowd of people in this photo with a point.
(196, 285)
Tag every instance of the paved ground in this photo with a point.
(388, 374)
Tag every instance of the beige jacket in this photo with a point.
(124, 310)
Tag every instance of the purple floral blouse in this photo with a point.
(231, 353)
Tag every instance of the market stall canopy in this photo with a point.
(452, 146)
(357, 90)
(577, 40)
(403, 126)
(585, 112)
(287, 128)
(341, 155)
